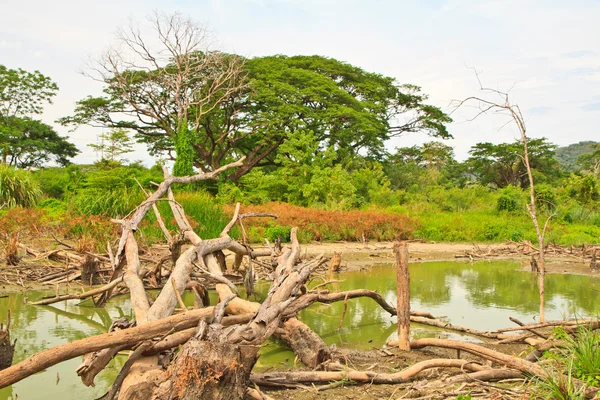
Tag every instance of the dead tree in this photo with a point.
(513, 111)
(7, 349)
(403, 293)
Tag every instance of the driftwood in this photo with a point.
(80, 296)
(278, 378)
(128, 337)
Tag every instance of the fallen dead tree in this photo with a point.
(222, 339)
(276, 379)
(583, 253)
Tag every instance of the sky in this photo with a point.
(546, 52)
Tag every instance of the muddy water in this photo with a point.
(481, 295)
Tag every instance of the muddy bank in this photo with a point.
(360, 255)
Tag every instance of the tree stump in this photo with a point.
(7, 350)
(594, 262)
(209, 370)
(534, 265)
(89, 270)
(403, 295)
(336, 262)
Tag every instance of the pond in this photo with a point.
(481, 295)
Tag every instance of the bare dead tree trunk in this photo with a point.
(89, 268)
(514, 112)
(403, 295)
(7, 349)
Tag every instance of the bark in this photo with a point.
(307, 345)
(131, 224)
(492, 355)
(336, 262)
(208, 370)
(89, 268)
(79, 296)
(7, 349)
(403, 295)
(127, 337)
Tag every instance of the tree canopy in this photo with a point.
(27, 142)
(267, 102)
(502, 164)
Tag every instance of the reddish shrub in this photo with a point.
(332, 225)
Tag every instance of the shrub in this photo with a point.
(274, 232)
(509, 199)
(17, 188)
(333, 225)
(545, 197)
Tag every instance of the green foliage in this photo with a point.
(559, 387)
(580, 359)
(510, 199)
(273, 99)
(184, 163)
(569, 156)
(113, 144)
(23, 92)
(583, 351)
(545, 197)
(501, 165)
(18, 188)
(585, 189)
(274, 232)
(26, 142)
(423, 165)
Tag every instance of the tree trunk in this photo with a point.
(7, 350)
(336, 262)
(403, 293)
(308, 346)
(208, 370)
(89, 268)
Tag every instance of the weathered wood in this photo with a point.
(516, 321)
(546, 324)
(305, 343)
(492, 355)
(89, 270)
(127, 337)
(277, 378)
(7, 349)
(403, 295)
(79, 296)
(208, 370)
(336, 262)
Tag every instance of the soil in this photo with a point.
(356, 256)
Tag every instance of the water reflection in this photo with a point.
(481, 295)
(40, 327)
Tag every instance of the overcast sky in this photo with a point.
(550, 51)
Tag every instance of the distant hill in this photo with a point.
(567, 156)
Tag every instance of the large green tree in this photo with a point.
(422, 165)
(501, 165)
(27, 142)
(252, 110)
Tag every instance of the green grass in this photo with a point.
(18, 188)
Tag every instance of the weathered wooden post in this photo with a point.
(403, 293)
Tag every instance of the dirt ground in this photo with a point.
(358, 255)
